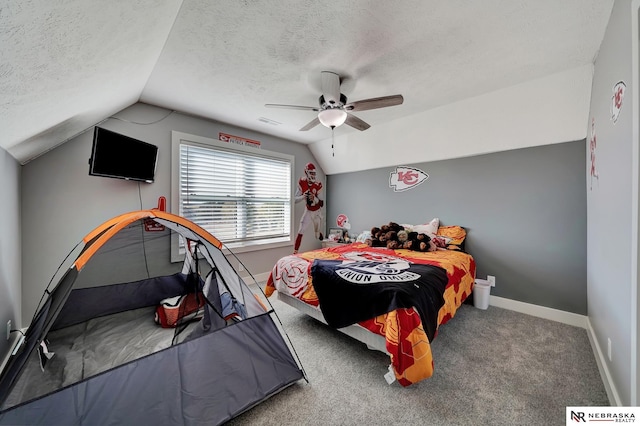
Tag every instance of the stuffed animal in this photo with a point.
(426, 243)
(395, 227)
(394, 236)
(393, 244)
(419, 242)
(391, 238)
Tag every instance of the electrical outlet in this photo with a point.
(491, 280)
(609, 348)
(8, 329)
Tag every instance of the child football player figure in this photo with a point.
(309, 190)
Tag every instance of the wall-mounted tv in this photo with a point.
(119, 156)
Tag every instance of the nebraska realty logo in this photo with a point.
(578, 415)
(404, 178)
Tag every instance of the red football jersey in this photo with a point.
(314, 188)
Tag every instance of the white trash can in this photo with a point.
(481, 293)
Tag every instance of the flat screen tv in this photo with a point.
(118, 156)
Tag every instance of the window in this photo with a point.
(241, 195)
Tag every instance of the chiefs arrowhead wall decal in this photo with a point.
(404, 178)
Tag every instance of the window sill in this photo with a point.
(256, 246)
(235, 248)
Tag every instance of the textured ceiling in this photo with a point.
(65, 65)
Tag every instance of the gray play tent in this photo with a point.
(96, 354)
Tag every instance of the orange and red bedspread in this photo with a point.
(406, 340)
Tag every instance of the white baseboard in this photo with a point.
(12, 344)
(612, 392)
(565, 317)
(260, 278)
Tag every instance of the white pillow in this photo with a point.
(431, 228)
(363, 236)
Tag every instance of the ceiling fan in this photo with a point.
(334, 109)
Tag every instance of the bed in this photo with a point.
(393, 300)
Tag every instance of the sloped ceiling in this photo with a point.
(66, 65)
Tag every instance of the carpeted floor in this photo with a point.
(492, 367)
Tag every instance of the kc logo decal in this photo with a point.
(404, 178)
(616, 100)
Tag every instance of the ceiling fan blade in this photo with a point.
(355, 122)
(306, 108)
(374, 103)
(310, 125)
(330, 87)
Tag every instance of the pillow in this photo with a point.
(363, 236)
(455, 235)
(407, 227)
(441, 242)
(431, 228)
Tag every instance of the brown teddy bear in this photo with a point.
(394, 236)
(419, 242)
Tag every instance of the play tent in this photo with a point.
(123, 335)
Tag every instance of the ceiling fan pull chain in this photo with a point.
(333, 152)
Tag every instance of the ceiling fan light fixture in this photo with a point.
(332, 117)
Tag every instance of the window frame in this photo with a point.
(179, 138)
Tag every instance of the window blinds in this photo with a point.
(234, 195)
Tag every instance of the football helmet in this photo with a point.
(310, 171)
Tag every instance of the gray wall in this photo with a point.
(524, 211)
(10, 274)
(609, 205)
(61, 203)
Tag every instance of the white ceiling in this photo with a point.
(66, 65)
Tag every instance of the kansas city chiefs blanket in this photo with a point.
(354, 290)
